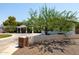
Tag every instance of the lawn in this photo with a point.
(4, 35)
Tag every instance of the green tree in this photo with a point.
(10, 24)
(11, 21)
(18, 23)
(51, 19)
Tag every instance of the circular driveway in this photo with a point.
(8, 45)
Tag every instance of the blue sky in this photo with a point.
(21, 10)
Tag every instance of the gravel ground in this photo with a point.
(69, 50)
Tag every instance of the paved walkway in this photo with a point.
(9, 48)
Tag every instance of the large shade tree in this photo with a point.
(10, 24)
(51, 19)
(10, 21)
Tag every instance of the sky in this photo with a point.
(21, 10)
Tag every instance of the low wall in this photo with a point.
(40, 38)
(56, 32)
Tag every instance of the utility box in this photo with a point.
(23, 41)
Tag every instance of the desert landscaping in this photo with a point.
(43, 30)
(52, 47)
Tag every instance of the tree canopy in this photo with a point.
(47, 19)
(52, 19)
(10, 21)
(10, 24)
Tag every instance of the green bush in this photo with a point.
(10, 29)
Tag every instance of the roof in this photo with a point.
(21, 26)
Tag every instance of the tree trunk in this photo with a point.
(46, 31)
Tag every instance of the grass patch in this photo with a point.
(4, 35)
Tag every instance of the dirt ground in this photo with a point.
(72, 49)
(69, 50)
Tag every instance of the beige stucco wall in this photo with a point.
(40, 38)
